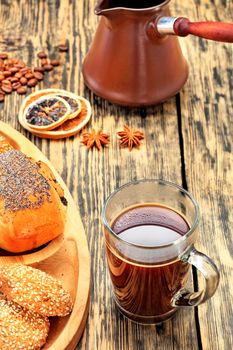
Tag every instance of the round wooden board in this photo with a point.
(69, 260)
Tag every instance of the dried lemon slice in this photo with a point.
(47, 113)
(73, 101)
(69, 127)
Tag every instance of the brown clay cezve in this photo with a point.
(135, 58)
(148, 70)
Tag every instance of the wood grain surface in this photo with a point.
(188, 140)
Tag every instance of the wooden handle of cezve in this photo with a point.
(217, 31)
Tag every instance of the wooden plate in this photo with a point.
(69, 260)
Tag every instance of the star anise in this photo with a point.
(97, 139)
(130, 137)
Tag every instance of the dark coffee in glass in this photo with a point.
(150, 230)
(142, 289)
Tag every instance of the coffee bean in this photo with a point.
(9, 78)
(9, 62)
(20, 65)
(25, 70)
(42, 54)
(63, 48)
(55, 63)
(7, 89)
(23, 81)
(3, 55)
(32, 82)
(44, 61)
(48, 67)
(13, 79)
(16, 86)
(39, 76)
(39, 69)
(6, 82)
(14, 70)
(21, 90)
(29, 75)
(6, 73)
(15, 74)
(18, 75)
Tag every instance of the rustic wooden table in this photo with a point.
(188, 140)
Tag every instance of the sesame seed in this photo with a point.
(21, 328)
(35, 290)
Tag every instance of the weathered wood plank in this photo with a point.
(207, 126)
(91, 176)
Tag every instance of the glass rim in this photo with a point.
(132, 9)
(158, 181)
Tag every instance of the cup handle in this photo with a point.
(206, 266)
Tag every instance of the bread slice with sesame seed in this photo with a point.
(21, 328)
(34, 290)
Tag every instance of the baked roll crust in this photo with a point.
(35, 290)
(32, 203)
(21, 328)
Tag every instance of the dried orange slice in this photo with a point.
(69, 97)
(73, 101)
(69, 127)
(47, 113)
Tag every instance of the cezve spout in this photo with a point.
(103, 7)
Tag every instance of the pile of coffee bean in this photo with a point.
(15, 75)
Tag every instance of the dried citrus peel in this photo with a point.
(69, 127)
(73, 101)
(47, 113)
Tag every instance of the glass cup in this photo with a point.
(149, 278)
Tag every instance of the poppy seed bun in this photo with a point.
(32, 212)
